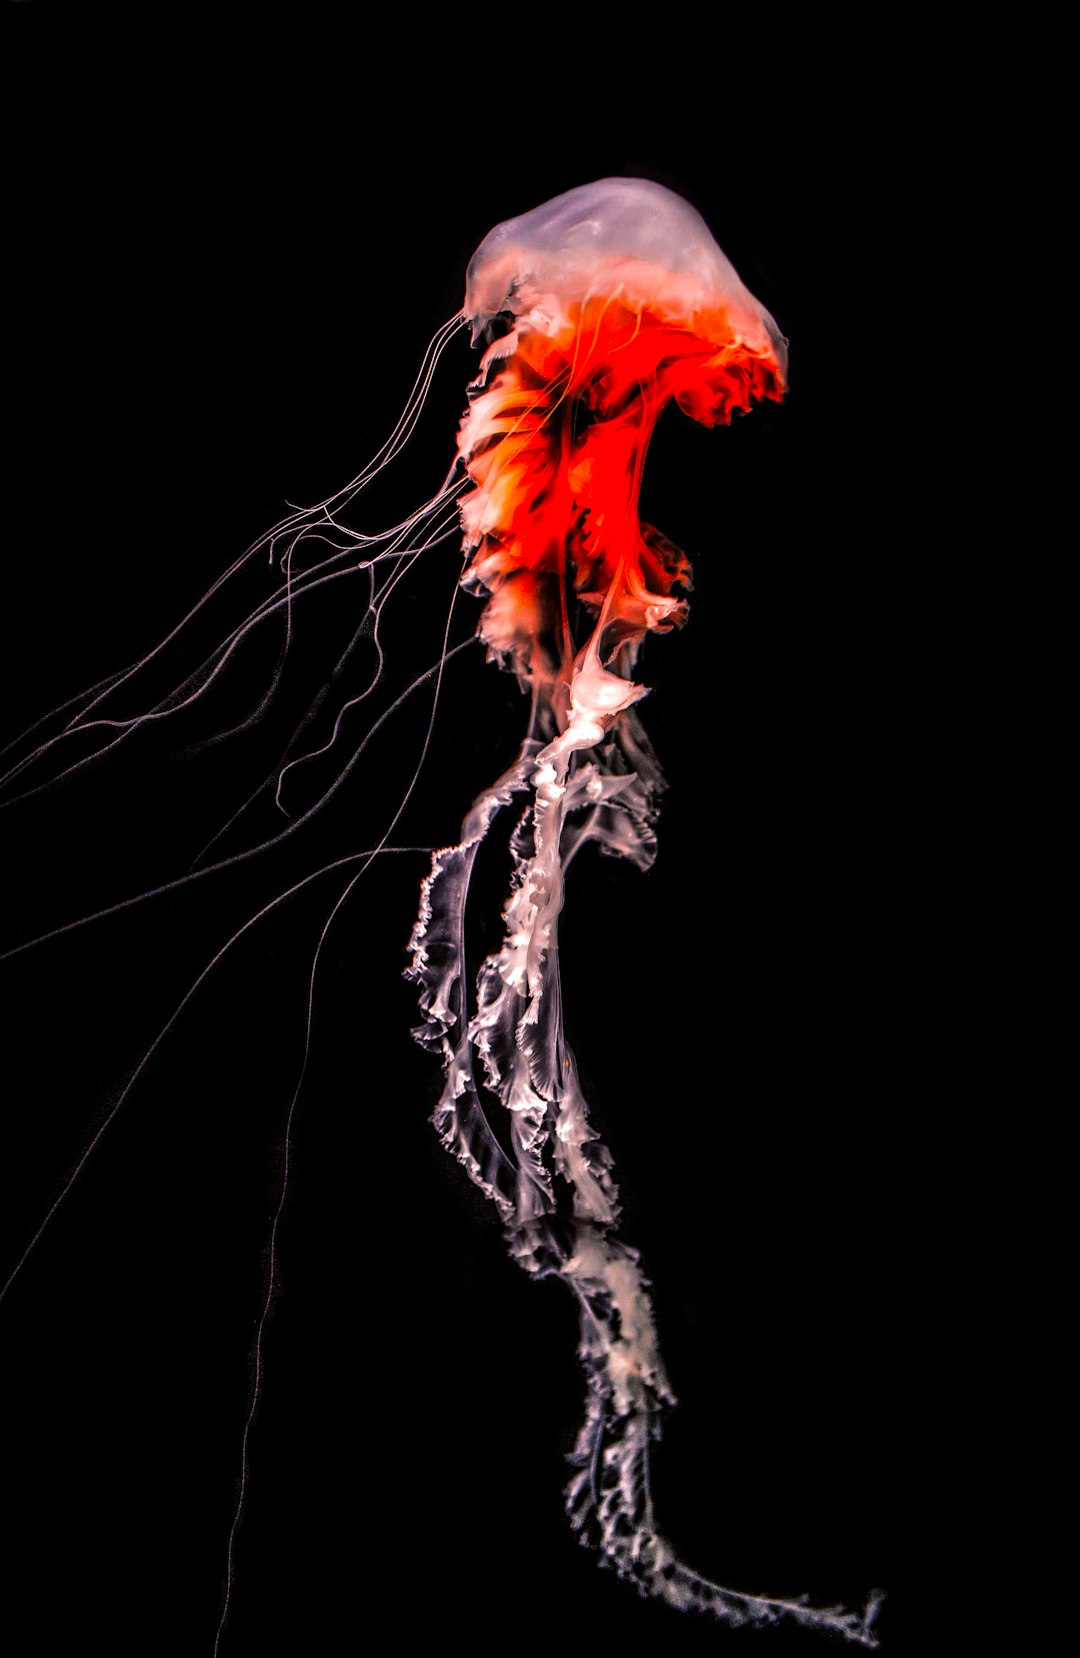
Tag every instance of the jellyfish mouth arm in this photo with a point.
(542, 1164)
(516, 1030)
(438, 965)
(554, 444)
(521, 1126)
(609, 1494)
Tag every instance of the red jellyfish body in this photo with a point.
(605, 304)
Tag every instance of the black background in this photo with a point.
(228, 258)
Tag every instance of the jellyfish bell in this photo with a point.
(619, 236)
(616, 300)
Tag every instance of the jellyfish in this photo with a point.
(595, 312)
(601, 307)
